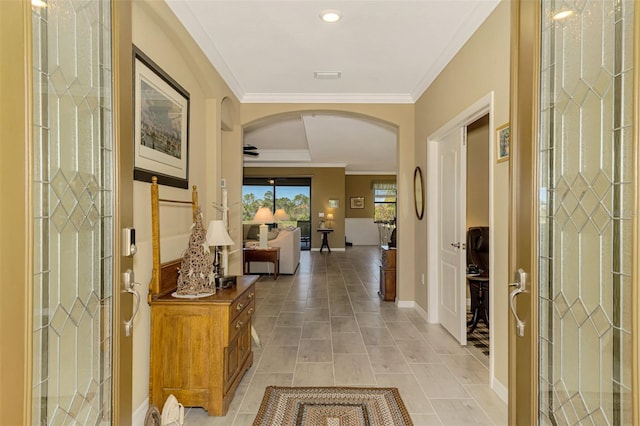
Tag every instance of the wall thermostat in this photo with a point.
(129, 242)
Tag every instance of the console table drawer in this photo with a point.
(388, 258)
(241, 320)
(241, 303)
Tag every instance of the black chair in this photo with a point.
(305, 233)
(478, 274)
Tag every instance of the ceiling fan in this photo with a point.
(250, 150)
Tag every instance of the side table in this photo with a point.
(479, 289)
(325, 242)
(269, 254)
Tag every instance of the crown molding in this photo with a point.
(280, 156)
(250, 163)
(324, 98)
(371, 172)
(192, 24)
(464, 32)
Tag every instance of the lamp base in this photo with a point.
(264, 230)
(226, 282)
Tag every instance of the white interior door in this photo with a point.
(451, 234)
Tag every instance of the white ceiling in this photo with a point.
(387, 51)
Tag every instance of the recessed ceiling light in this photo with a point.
(562, 15)
(331, 15)
(38, 3)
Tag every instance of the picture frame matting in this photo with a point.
(161, 125)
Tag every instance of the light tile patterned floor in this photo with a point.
(326, 326)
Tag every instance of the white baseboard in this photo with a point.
(405, 304)
(137, 418)
(420, 310)
(500, 389)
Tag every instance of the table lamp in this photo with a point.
(264, 216)
(280, 215)
(330, 220)
(218, 236)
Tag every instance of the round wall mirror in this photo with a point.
(418, 192)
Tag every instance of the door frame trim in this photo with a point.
(635, 291)
(16, 223)
(481, 107)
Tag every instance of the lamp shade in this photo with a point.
(217, 234)
(264, 215)
(281, 215)
(329, 216)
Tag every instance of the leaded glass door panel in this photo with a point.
(73, 212)
(574, 189)
(585, 219)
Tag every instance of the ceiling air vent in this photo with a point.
(327, 75)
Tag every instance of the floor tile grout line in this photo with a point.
(356, 293)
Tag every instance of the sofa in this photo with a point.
(287, 239)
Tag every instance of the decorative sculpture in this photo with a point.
(195, 277)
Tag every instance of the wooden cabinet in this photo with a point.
(387, 274)
(201, 348)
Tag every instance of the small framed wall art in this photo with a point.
(503, 141)
(357, 202)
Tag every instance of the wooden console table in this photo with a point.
(270, 254)
(201, 348)
(387, 274)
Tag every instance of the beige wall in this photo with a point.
(326, 183)
(478, 173)
(479, 68)
(158, 33)
(360, 186)
(400, 116)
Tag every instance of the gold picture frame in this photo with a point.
(356, 202)
(503, 143)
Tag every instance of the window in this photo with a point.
(291, 194)
(384, 201)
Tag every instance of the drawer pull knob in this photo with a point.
(238, 325)
(250, 296)
(239, 307)
(250, 311)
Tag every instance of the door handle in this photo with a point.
(127, 278)
(456, 245)
(519, 285)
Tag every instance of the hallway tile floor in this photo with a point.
(326, 326)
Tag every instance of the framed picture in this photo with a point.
(503, 140)
(357, 202)
(334, 204)
(161, 125)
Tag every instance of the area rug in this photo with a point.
(332, 406)
(480, 336)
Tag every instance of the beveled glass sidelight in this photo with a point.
(585, 217)
(72, 217)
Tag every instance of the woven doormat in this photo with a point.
(331, 406)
